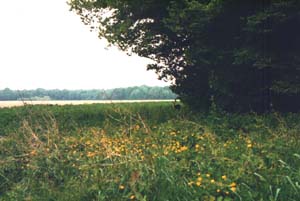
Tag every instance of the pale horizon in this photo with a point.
(44, 45)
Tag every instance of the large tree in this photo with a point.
(240, 55)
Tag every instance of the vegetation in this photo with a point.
(240, 55)
(223, 56)
(146, 151)
(130, 93)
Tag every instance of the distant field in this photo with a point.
(72, 102)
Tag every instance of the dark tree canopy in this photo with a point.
(241, 55)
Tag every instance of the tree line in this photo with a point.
(130, 93)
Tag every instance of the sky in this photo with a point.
(44, 45)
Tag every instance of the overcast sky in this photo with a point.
(44, 45)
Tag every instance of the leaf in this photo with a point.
(292, 184)
(260, 177)
(297, 155)
(277, 193)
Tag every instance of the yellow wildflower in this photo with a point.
(190, 183)
(198, 183)
(224, 177)
(91, 154)
(33, 153)
(183, 148)
(233, 184)
(233, 189)
(121, 187)
(207, 175)
(132, 197)
(173, 133)
(137, 127)
(212, 181)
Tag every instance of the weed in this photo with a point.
(146, 152)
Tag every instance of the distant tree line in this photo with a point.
(130, 93)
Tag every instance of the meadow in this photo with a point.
(147, 151)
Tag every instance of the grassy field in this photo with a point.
(147, 151)
(4, 104)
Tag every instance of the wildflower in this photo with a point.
(33, 153)
(207, 175)
(91, 154)
(121, 187)
(233, 189)
(200, 137)
(183, 148)
(198, 183)
(224, 177)
(199, 179)
(249, 145)
(212, 181)
(132, 197)
(173, 133)
(190, 183)
(233, 184)
(197, 146)
(198, 174)
(218, 190)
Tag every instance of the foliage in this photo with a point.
(130, 93)
(137, 154)
(240, 55)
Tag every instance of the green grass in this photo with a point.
(147, 151)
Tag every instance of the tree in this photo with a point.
(241, 55)
(7, 94)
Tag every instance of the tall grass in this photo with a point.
(147, 152)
